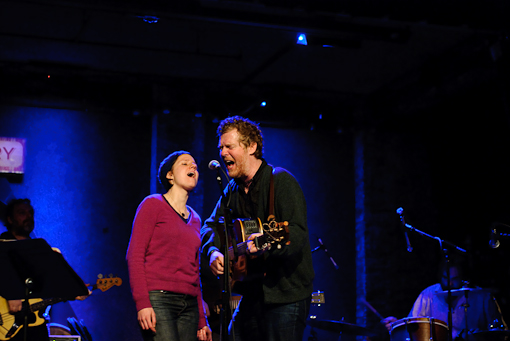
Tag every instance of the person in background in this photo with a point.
(19, 221)
(483, 310)
(163, 257)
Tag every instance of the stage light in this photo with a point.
(301, 40)
(263, 104)
(149, 19)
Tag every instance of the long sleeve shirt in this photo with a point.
(286, 274)
(163, 253)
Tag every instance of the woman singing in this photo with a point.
(163, 257)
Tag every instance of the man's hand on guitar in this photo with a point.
(147, 319)
(14, 306)
(216, 263)
(251, 248)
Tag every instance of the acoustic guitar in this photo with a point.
(11, 324)
(274, 234)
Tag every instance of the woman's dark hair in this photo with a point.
(166, 166)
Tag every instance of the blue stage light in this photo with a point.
(263, 103)
(301, 40)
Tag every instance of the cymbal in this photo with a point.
(490, 335)
(461, 291)
(340, 327)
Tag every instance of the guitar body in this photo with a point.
(273, 233)
(12, 324)
(238, 270)
(243, 228)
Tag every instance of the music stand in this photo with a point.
(31, 269)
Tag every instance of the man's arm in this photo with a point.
(291, 207)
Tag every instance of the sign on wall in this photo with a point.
(12, 155)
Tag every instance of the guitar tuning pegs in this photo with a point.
(110, 275)
(100, 276)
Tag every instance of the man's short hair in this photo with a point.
(249, 132)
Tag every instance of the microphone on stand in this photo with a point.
(494, 241)
(214, 165)
(400, 212)
(327, 253)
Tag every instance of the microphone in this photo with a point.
(214, 165)
(494, 241)
(400, 212)
(327, 254)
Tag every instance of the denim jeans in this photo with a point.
(176, 317)
(254, 320)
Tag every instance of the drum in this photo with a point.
(58, 329)
(419, 329)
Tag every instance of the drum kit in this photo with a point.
(427, 328)
(408, 329)
(338, 327)
(411, 328)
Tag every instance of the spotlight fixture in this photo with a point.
(150, 19)
(326, 41)
(301, 40)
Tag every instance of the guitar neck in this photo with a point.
(241, 247)
(44, 303)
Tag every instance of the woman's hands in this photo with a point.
(147, 319)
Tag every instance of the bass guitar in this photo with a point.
(11, 324)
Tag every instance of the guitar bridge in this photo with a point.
(12, 330)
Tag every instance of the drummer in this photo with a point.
(483, 311)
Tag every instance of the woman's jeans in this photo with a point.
(254, 320)
(176, 317)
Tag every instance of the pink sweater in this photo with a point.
(163, 253)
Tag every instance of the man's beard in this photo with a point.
(240, 170)
(25, 229)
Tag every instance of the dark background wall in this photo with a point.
(406, 107)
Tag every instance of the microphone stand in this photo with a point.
(226, 311)
(322, 246)
(447, 260)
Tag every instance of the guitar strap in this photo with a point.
(271, 195)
